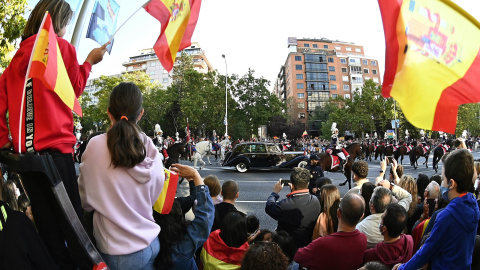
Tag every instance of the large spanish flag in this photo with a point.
(178, 19)
(47, 65)
(164, 203)
(432, 61)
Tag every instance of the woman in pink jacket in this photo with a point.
(121, 177)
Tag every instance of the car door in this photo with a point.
(259, 156)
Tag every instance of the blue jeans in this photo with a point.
(140, 260)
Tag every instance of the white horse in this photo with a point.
(225, 144)
(202, 149)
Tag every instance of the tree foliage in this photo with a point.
(12, 24)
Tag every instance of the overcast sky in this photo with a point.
(253, 33)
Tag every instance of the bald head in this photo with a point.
(351, 207)
(432, 190)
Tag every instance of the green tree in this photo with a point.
(255, 103)
(12, 24)
(468, 119)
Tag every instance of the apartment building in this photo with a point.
(317, 69)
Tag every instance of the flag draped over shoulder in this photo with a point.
(164, 203)
(432, 60)
(178, 19)
(47, 65)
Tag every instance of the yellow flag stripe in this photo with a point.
(63, 86)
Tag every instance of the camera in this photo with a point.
(284, 182)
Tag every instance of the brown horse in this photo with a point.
(379, 152)
(370, 152)
(325, 162)
(438, 153)
(418, 152)
(400, 152)
(388, 150)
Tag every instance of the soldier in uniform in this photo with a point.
(158, 141)
(334, 130)
(337, 148)
(315, 172)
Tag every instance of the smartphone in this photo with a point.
(284, 182)
(389, 159)
(255, 232)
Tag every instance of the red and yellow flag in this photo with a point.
(178, 19)
(432, 61)
(164, 203)
(47, 65)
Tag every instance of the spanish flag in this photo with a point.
(47, 65)
(432, 61)
(305, 133)
(164, 203)
(178, 19)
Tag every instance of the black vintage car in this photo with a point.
(263, 155)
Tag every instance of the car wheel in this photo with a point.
(302, 164)
(241, 167)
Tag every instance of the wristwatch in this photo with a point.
(392, 185)
(381, 171)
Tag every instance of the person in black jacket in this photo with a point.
(298, 213)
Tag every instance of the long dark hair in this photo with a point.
(124, 141)
(59, 10)
(233, 230)
(8, 194)
(173, 229)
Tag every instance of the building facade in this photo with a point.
(148, 62)
(318, 69)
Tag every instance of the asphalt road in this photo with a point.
(257, 184)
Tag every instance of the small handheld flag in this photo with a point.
(164, 203)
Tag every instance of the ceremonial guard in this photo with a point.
(422, 134)
(367, 138)
(407, 136)
(338, 149)
(334, 130)
(158, 141)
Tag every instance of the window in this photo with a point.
(333, 86)
(152, 64)
(367, 78)
(315, 67)
(298, 67)
(299, 76)
(333, 78)
(151, 80)
(317, 76)
(334, 95)
(330, 68)
(306, 45)
(352, 60)
(344, 70)
(300, 86)
(301, 105)
(343, 60)
(130, 68)
(338, 48)
(349, 49)
(375, 80)
(301, 115)
(374, 63)
(358, 50)
(365, 71)
(330, 59)
(345, 78)
(365, 62)
(315, 45)
(315, 58)
(346, 96)
(374, 71)
(300, 95)
(298, 58)
(165, 80)
(152, 72)
(346, 87)
(325, 46)
(355, 70)
(317, 96)
(357, 79)
(317, 86)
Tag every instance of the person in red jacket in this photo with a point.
(48, 129)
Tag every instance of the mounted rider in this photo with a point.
(337, 148)
(367, 138)
(407, 136)
(158, 141)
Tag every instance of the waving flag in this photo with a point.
(178, 19)
(103, 22)
(164, 203)
(304, 133)
(432, 60)
(47, 65)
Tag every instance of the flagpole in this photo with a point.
(111, 37)
(25, 85)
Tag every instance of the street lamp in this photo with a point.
(226, 96)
